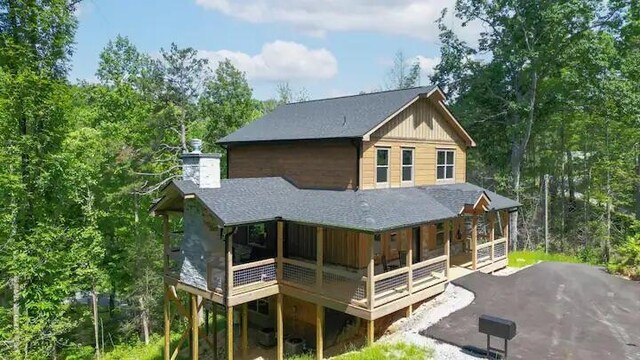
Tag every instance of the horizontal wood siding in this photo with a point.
(424, 161)
(309, 164)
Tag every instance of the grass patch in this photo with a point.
(524, 258)
(385, 351)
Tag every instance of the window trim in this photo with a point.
(388, 166)
(453, 165)
(413, 166)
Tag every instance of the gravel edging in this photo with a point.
(408, 330)
(508, 271)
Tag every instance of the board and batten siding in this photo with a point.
(422, 127)
(308, 164)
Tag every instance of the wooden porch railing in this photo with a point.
(250, 276)
(404, 281)
(332, 282)
(491, 252)
(499, 249)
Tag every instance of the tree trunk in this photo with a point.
(609, 195)
(513, 220)
(94, 304)
(112, 298)
(183, 134)
(15, 286)
(145, 321)
(518, 148)
(637, 183)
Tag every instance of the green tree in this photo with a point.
(226, 103)
(35, 45)
(403, 74)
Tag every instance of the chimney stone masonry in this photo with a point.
(202, 169)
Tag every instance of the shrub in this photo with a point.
(627, 258)
(389, 351)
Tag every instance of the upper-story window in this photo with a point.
(382, 167)
(445, 167)
(407, 166)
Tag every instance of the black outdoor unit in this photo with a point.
(498, 327)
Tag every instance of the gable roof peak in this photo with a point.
(426, 88)
(345, 117)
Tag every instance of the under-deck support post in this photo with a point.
(195, 322)
(370, 332)
(167, 324)
(474, 242)
(447, 246)
(245, 330)
(279, 328)
(319, 331)
(214, 311)
(229, 332)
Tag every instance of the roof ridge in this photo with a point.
(360, 94)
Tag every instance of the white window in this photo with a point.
(407, 166)
(445, 167)
(260, 306)
(382, 167)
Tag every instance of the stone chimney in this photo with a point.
(202, 169)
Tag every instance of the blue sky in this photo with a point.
(330, 48)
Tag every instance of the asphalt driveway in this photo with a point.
(562, 311)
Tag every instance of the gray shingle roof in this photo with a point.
(241, 201)
(342, 117)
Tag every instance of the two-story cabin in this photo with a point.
(337, 215)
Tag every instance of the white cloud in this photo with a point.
(427, 65)
(414, 18)
(280, 61)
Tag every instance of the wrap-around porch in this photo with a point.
(365, 275)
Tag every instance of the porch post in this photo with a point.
(492, 221)
(165, 238)
(319, 256)
(167, 324)
(279, 328)
(463, 224)
(474, 242)
(279, 249)
(409, 262)
(245, 330)
(195, 319)
(370, 275)
(229, 332)
(319, 331)
(447, 242)
(229, 267)
(370, 332)
(505, 231)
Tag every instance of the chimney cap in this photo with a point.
(200, 155)
(196, 144)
